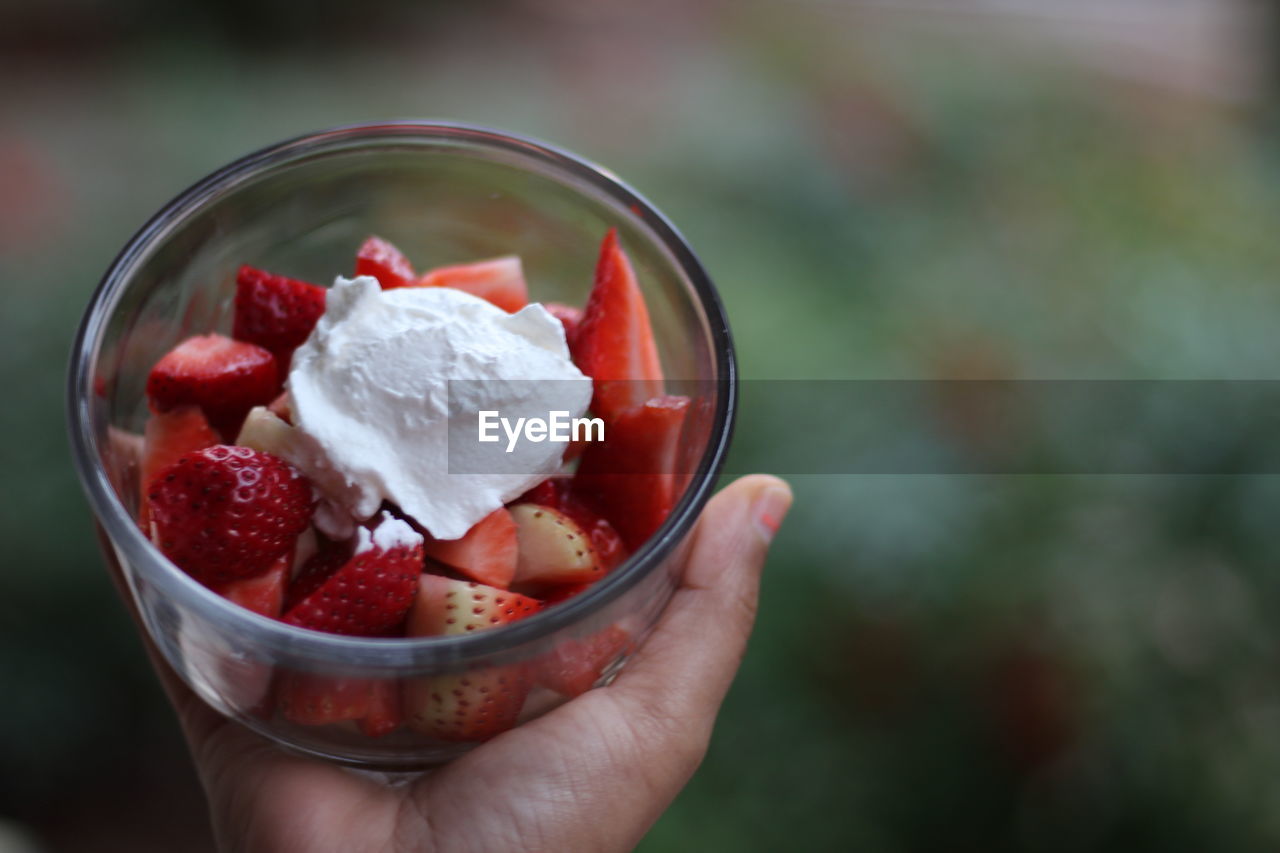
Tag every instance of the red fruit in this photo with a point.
(630, 477)
(316, 700)
(562, 592)
(573, 666)
(225, 513)
(568, 316)
(225, 378)
(386, 263)
(282, 407)
(558, 493)
(264, 594)
(385, 714)
(487, 553)
(167, 437)
(500, 281)
(614, 342)
(275, 312)
(368, 595)
(553, 548)
(479, 703)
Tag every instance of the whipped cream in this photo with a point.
(390, 533)
(370, 397)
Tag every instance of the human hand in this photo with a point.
(592, 775)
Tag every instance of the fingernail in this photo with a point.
(770, 509)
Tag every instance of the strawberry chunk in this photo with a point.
(225, 378)
(574, 665)
(264, 594)
(167, 437)
(568, 316)
(614, 342)
(553, 548)
(558, 493)
(310, 699)
(385, 714)
(487, 553)
(225, 513)
(499, 281)
(370, 593)
(630, 477)
(275, 312)
(386, 263)
(482, 702)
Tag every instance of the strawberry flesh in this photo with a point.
(166, 438)
(275, 312)
(264, 594)
(630, 477)
(568, 316)
(386, 263)
(225, 513)
(574, 665)
(487, 553)
(498, 280)
(558, 493)
(225, 378)
(614, 343)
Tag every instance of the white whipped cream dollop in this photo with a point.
(370, 395)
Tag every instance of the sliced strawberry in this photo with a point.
(167, 437)
(371, 592)
(386, 263)
(225, 513)
(310, 699)
(487, 553)
(275, 312)
(500, 281)
(558, 493)
(630, 477)
(385, 713)
(552, 547)
(223, 377)
(573, 666)
(555, 593)
(265, 593)
(568, 316)
(479, 703)
(614, 342)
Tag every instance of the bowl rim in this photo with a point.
(303, 644)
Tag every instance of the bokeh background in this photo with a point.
(989, 189)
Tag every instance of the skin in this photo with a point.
(592, 775)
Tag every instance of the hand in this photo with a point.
(592, 775)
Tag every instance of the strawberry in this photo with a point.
(630, 477)
(558, 493)
(310, 699)
(369, 594)
(487, 553)
(226, 378)
(225, 513)
(167, 437)
(275, 312)
(552, 547)
(499, 281)
(479, 703)
(385, 713)
(574, 665)
(386, 263)
(614, 342)
(263, 594)
(282, 407)
(568, 316)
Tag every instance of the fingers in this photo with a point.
(683, 671)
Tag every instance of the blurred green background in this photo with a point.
(969, 189)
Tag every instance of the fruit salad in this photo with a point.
(297, 468)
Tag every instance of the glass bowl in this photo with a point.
(444, 193)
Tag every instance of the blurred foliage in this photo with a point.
(942, 663)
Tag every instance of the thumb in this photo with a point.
(685, 668)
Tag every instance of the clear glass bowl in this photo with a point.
(445, 194)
